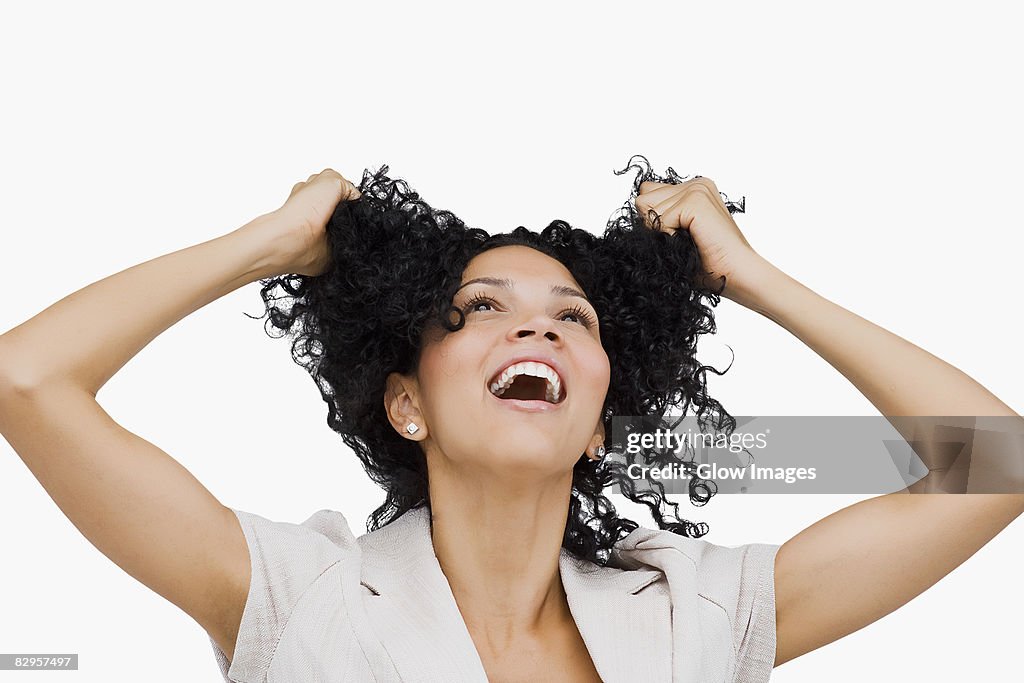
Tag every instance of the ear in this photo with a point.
(597, 440)
(401, 406)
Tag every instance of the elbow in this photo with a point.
(17, 377)
(16, 382)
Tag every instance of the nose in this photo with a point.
(539, 325)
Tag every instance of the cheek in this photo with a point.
(453, 365)
(598, 370)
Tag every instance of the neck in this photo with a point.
(499, 543)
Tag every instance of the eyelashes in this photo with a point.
(586, 318)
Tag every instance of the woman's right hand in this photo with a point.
(301, 222)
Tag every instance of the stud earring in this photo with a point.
(598, 453)
(412, 428)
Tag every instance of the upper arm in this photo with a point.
(866, 560)
(134, 502)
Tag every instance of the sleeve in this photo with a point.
(285, 559)
(742, 580)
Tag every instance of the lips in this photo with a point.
(533, 406)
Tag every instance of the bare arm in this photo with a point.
(130, 499)
(827, 583)
(864, 561)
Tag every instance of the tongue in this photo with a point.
(527, 387)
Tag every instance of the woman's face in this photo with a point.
(525, 308)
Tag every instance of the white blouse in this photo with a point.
(325, 606)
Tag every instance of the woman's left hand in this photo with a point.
(696, 206)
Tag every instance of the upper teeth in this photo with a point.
(554, 385)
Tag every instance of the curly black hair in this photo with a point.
(395, 266)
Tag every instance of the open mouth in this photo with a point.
(528, 381)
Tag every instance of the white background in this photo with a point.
(878, 146)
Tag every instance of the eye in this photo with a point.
(477, 300)
(583, 316)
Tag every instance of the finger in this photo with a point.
(650, 186)
(657, 197)
(295, 188)
(653, 218)
(330, 173)
(707, 182)
(668, 214)
(679, 213)
(704, 189)
(670, 203)
(680, 209)
(644, 208)
(348, 188)
(657, 193)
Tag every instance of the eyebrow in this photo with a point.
(505, 283)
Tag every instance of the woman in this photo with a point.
(495, 554)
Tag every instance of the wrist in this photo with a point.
(754, 283)
(260, 238)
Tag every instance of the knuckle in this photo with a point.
(703, 189)
(705, 183)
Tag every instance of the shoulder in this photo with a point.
(296, 552)
(289, 556)
(715, 568)
(735, 585)
(286, 559)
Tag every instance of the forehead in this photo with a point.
(517, 263)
